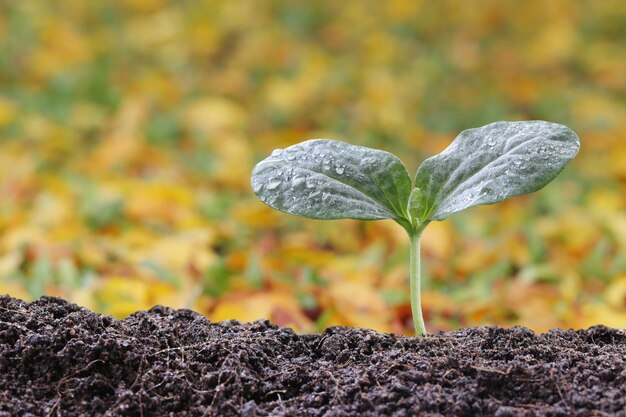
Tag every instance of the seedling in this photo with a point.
(328, 179)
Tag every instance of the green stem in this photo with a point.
(414, 280)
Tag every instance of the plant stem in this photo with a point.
(414, 281)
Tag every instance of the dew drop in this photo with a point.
(277, 152)
(273, 183)
(340, 170)
(291, 157)
(310, 184)
(297, 180)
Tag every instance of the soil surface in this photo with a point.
(58, 359)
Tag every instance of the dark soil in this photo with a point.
(57, 359)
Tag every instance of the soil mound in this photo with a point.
(58, 359)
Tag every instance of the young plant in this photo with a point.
(329, 179)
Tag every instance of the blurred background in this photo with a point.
(129, 128)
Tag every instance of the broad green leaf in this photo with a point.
(329, 179)
(490, 164)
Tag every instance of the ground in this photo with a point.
(58, 359)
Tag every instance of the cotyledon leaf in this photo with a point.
(329, 179)
(490, 164)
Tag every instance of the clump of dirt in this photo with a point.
(57, 359)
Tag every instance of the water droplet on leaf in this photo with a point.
(297, 180)
(273, 183)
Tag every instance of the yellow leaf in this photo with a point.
(360, 305)
(179, 253)
(533, 304)
(7, 112)
(570, 286)
(617, 226)
(211, 116)
(278, 307)
(574, 228)
(474, 257)
(14, 289)
(604, 202)
(121, 296)
(557, 41)
(62, 47)
(143, 6)
(160, 201)
(234, 162)
(165, 294)
(253, 213)
(615, 294)
(10, 262)
(84, 297)
(593, 314)
(437, 240)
